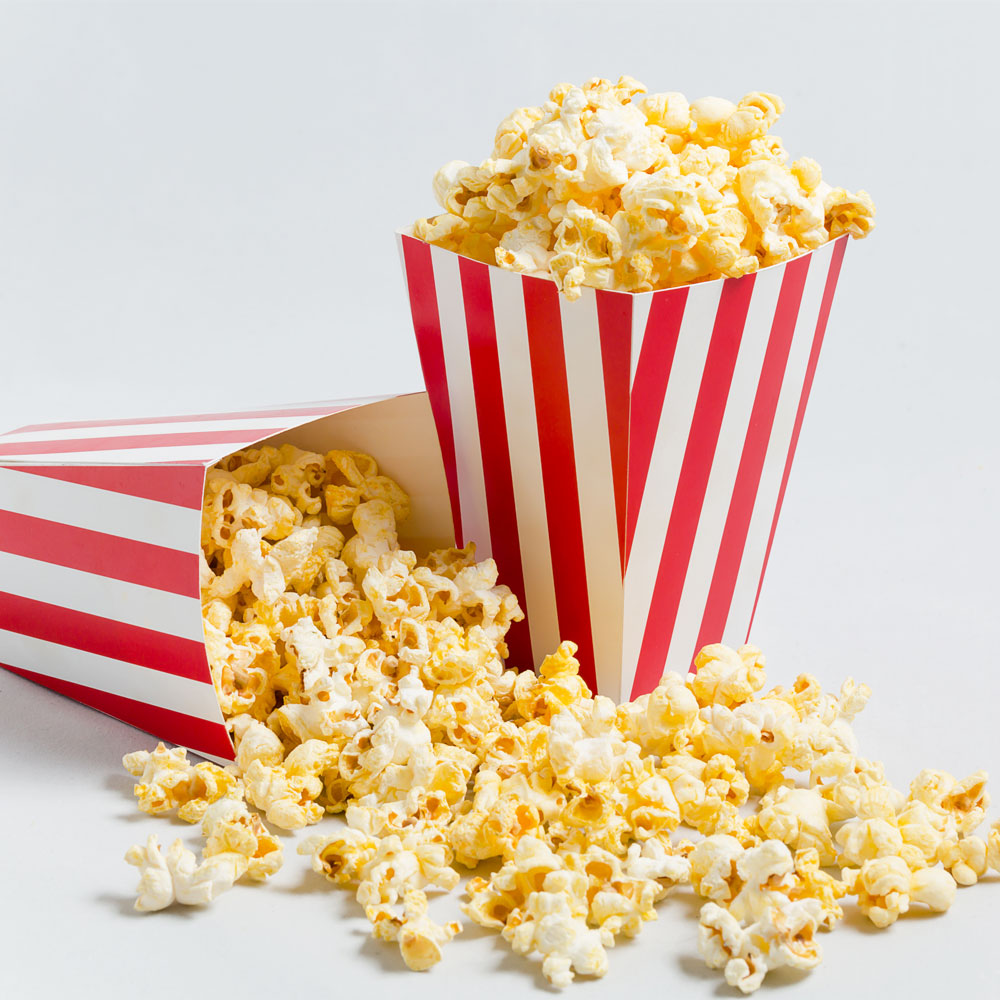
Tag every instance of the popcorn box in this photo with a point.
(100, 541)
(623, 456)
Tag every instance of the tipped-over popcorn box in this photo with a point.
(100, 541)
(623, 456)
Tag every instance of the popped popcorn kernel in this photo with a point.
(168, 782)
(177, 877)
(419, 938)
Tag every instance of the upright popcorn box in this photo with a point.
(623, 456)
(100, 541)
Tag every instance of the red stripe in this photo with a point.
(170, 654)
(181, 485)
(693, 481)
(103, 555)
(765, 404)
(836, 259)
(140, 441)
(614, 317)
(427, 327)
(198, 735)
(485, 362)
(559, 473)
(187, 418)
(652, 374)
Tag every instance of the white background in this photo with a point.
(197, 206)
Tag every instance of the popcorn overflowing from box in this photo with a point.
(381, 693)
(618, 452)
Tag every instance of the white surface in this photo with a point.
(188, 221)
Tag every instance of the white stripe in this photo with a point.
(191, 454)
(462, 398)
(595, 486)
(525, 461)
(99, 595)
(725, 465)
(250, 425)
(672, 432)
(151, 687)
(748, 578)
(101, 510)
(641, 304)
(263, 415)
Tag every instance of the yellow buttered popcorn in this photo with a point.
(608, 186)
(369, 697)
(167, 781)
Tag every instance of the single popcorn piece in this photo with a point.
(886, 887)
(554, 924)
(229, 827)
(298, 476)
(419, 938)
(965, 857)
(779, 932)
(287, 792)
(255, 742)
(993, 847)
(811, 882)
(861, 840)
(168, 782)
(798, 818)
(714, 874)
(340, 857)
(248, 562)
(177, 876)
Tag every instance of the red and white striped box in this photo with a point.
(100, 535)
(624, 456)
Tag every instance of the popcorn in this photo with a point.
(340, 857)
(248, 563)
(359, 678)
(298, 477)
(554, 924)
(419, 938)
(176, 876)
(778, 933)
(664, 720)
(556, 685)
(966, 802)
(244, 664)
(229, 827)
(231, 507)
(287, 792)
(401, 863)
(714, 874)
(255, 742)
(965, 858)
(167, 782)
(609, 187)
(798, 818)
(862, 840)
(886, 887)
(811, 882)
(376, 535)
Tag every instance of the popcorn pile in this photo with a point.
(608, 186)
(359, 678)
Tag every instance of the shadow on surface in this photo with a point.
(53, 727)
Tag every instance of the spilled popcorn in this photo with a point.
(360, 678)
(608, 186)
